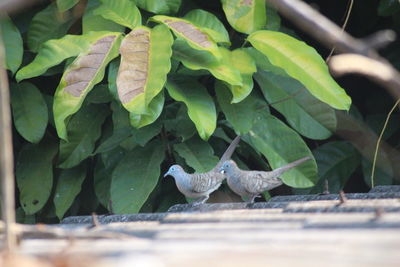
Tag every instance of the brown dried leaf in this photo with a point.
(133, 70)
(86, 68)
(190, 32)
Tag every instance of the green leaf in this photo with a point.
(145, 63)
(12, 43)
(93, 22)
(84, 129)
(210, 24)
(145, 134)
(160, 6)
(245, 64)
(113, 141)
(200, 105)
(281, 145)
(99, 95)
(273, 19)
(68, 187)
(135, 177)
(153, 112)
(306, 114)
(245, 16)
(48, 24)
(195, 36)
(123, 12)
(112, 77)
(240, 115)
(29, 111)
(388, 7)
(102, 174)
(79, 78)
(53, 52)
(181, 125)
(34, 173)
(197, 60)
(303, 63)
(64, 5)
(336, 162)
(198, 154)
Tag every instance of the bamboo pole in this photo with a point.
(6, 157)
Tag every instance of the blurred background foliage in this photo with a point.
(112, 159)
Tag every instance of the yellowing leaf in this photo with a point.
(193, 35)
(145, 63)
(79, 78)
(245, 16)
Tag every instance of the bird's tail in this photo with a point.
(278, 172)
(228, 153)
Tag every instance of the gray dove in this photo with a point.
(201, 185)
(252, 183)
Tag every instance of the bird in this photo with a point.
(200, 185)
(250, 184)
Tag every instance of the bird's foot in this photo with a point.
(199, 201)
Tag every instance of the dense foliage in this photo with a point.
(107, 94)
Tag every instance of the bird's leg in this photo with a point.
(252, 198)
(200, 201)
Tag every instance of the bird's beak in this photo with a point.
(221, 170)
(166, 174)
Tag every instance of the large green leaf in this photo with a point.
(34, 173)
(53, 52)
(48, 24)
(180, 125)
(135, 177)
(303, 63)
(84, 129)
(245, 64)
(200, 105)
(195, 36)
(145, 134)
(160, 6)
(153, 112)
(281, 145)
(64, 5)
(79, 78)
(306, 114)
(245, 16)
(198, 154)
(93, 22)
(240, 115)
(123, 12)
(145, 63)
(68, 187)
(210, 24)
(196, 60)
(336, 162)
(12, 43)
(102, 174)
(29, 111)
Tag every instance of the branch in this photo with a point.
(381, 72)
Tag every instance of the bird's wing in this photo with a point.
(203, 182)
(228, 153)
(259, 181)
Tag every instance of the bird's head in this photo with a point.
(173, 170)
(228, 166)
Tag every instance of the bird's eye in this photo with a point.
(172, 169)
